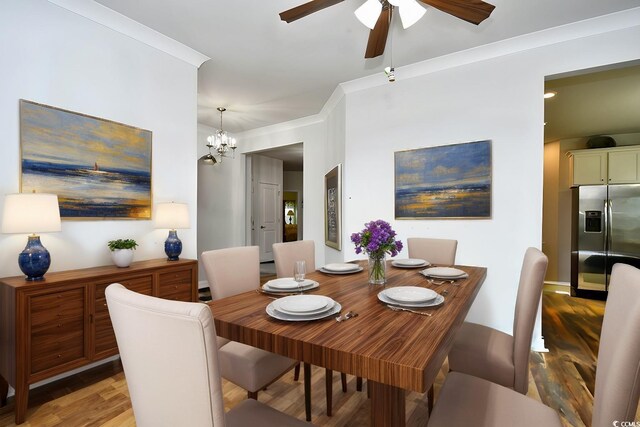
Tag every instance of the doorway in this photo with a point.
(585, 104)
(275, 199)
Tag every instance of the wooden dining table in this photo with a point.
(395, 351)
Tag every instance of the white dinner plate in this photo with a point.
(410, 294)
(409, 263)
(271, 311)
(308, 286)
(341, 267)
(303, 304)
(359, 269)
(439, 299)
(287, 283)
(444, 273)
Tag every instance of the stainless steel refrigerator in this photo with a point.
(606, 230)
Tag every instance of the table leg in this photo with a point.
(307, 390)
(328, 386)
(4, 390)
(387, 405)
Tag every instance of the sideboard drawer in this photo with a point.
(49, 308)
(176, 285)
(179, 276)
(143, 285)
(60, 343)
(176, 291)
(105, 338)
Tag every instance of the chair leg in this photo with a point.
(307, 391)
(252, 395)
(343, 379)
(296, 372)
(430, 399)
(359, 383)
(328, 386)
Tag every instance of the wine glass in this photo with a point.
(299, 271)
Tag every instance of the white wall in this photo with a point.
(220, 201)
(53, 56)
(498, 99)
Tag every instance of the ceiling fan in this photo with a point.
(473, 11)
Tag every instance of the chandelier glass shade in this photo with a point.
(219, 144)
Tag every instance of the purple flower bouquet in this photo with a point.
(376, 240)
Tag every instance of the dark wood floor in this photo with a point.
(563, 378)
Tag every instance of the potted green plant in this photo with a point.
(122, 251)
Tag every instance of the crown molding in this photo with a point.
(102, 15)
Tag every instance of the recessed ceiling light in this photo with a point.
(550, 94)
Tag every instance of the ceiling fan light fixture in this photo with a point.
(368, 13)
(410, 12)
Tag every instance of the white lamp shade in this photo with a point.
(31, 213)
(410, 12)
(369, 12)
(172, 215)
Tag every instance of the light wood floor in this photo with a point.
(562, 379)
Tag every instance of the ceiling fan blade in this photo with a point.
(378, 36)
(306, 9)
(474, 11)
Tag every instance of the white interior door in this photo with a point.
(268, 215)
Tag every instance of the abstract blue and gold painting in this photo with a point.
(98, 168)
(451, 181)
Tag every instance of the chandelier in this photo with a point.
(220, 142)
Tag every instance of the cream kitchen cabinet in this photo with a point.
(619, 165)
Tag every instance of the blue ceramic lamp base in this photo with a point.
(34, 260)
(173, 246)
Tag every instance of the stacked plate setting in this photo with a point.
(410, 296)
(341, 268)
(409, 263)
(301, 308)
(287, 284)
(444, 273)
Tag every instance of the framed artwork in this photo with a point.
(98, 168)
(450, 182)
(333, 208)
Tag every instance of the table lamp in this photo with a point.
(172, 216)
(32, 213)
(290, 215)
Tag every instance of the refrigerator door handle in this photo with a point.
(606, 224)
(609, 223)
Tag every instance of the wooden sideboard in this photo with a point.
(61, 323)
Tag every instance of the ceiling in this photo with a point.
(265, 71)
(597, 103)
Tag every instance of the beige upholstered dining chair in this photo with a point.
(229, 272)
(493, 355)
(436, 251)
(170, 358)
(467, 399)
(285, 256)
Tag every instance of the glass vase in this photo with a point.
(377, 270)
